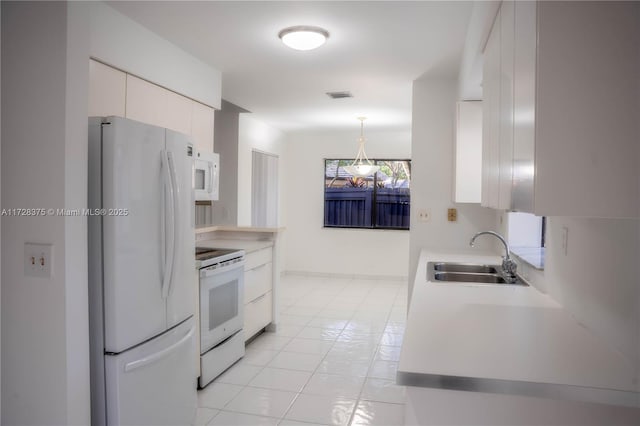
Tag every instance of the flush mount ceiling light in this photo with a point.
(303, 37)
(361, 166)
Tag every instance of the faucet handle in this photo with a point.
(509, 267)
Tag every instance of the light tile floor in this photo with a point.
(332, 361)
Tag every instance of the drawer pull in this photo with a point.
(259, 267)
(257, 299)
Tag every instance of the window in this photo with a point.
(527, 237)
(381, 201)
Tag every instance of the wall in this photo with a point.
(432, 146)
(45, 91)
(151, 57)
(225, 209)
(597, 280)
(0, 219)
(45, 52)
(311, 248)
(254, 134)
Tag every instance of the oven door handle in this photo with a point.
(204, 273)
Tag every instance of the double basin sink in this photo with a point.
(467, 273)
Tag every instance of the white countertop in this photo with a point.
(247, 245)
(227, 228)
(504, 334)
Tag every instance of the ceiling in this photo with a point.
(375, 50)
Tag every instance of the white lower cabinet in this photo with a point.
(258, 295)
(258, 314)
(257, 281)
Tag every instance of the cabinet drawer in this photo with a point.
(257, 281)
(257, 315)
(258, 258)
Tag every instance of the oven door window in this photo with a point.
(223, 304)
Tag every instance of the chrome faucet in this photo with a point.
(509, 267)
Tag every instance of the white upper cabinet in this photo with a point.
(490, 119)
(178, 115)
(505, 111)
(468, 176)
(202, 122)
(570, 123)
(587, 137)
(114, 92)
(107, 88)
(524, 105)
(146, 102)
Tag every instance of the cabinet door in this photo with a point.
(107, 88)
(258, 314)
(178, 113)
(505, 150)
(468, 175)
(202, 121)
(587, 109)
(490, 121)
(524, 97)
(257, 281)
(146, 102)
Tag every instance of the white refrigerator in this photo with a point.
(142, 277)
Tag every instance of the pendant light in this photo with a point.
(361, 166)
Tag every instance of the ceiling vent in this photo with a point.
(339, 95)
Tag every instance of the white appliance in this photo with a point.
(206, 176)
(221, 310)
(141, 278)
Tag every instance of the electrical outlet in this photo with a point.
(38, 260)
(424, 215)
(452, 215)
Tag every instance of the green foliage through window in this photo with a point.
(380, 201)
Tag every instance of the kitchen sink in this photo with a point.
(465, 267)
(446, 272)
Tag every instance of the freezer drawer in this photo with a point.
(154, 383)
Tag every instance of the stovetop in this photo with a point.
(206, 256)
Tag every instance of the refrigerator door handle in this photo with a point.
(134, 365)
(175, 216)
(169, 245)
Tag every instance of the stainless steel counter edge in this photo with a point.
(522, 388)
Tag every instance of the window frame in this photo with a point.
(374, 208)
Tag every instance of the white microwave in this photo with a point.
(206, 176)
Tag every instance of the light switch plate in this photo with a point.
(38, 260)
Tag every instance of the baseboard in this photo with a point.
(345, 276)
